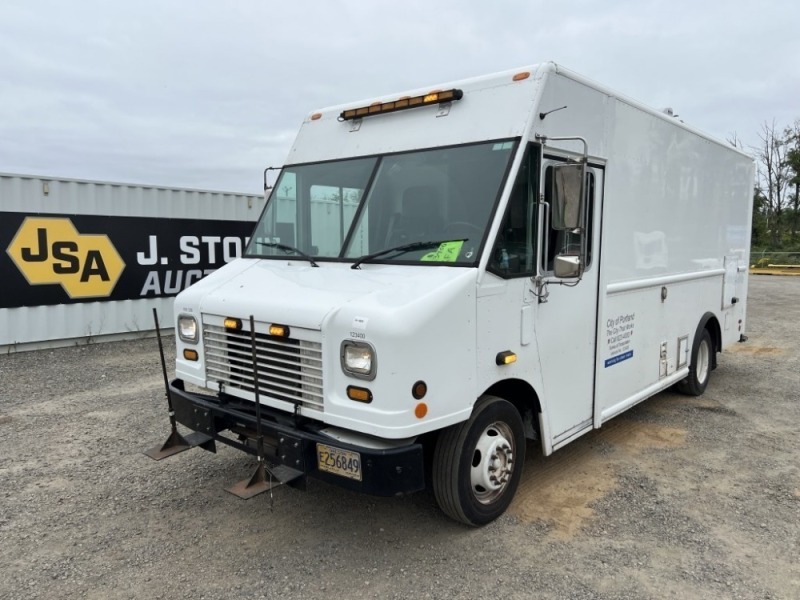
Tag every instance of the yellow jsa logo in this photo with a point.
(50, 251)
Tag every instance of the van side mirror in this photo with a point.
(567, 194)
(567, 266)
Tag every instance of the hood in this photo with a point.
(300, 295)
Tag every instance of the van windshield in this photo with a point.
(353, 208)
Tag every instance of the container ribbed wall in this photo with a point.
(85, 320)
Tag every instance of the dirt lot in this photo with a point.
(678, 498)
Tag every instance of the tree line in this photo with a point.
(776, 203)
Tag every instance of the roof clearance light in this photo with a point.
(403, 103)
(521, 76)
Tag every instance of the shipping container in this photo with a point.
(85, 261)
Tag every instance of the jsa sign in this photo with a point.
(58, 259)
(51, 251)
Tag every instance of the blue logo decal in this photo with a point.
(618, 358)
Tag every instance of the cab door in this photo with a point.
(565, 319)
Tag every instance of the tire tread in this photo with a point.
(690, 386)
(446, 457)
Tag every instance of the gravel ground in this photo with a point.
(678, 498)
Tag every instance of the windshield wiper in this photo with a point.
(287, 248)
(402, 249)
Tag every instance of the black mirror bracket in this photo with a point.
(268, 187)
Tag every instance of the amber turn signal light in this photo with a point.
(233, 324)
(279, 330)
(505, 358)
(359, 394)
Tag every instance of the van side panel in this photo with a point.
(676, 240)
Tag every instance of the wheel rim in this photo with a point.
(492, 463)
(703, 360)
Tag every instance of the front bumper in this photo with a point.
(292, 441)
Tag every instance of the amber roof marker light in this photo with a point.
(404, 103)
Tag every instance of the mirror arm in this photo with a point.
(545, 224)
(544, 139)
(268, 187)
(540, 280)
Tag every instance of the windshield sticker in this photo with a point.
(446, 252)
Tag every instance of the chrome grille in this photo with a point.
(288, 369)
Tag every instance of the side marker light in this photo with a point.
(505, 358)
(359, 394)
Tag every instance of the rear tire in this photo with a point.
(700, 368)
(477, 464)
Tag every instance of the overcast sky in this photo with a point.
(207, 93)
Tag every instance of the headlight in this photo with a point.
(187, 328)
(359, 360)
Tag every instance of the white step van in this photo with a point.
(441, 276)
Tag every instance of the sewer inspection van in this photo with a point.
(447, 277)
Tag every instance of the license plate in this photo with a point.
(339, 462)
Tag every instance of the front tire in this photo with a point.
(477, 464)
(700, 368)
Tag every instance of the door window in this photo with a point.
(514, 252)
